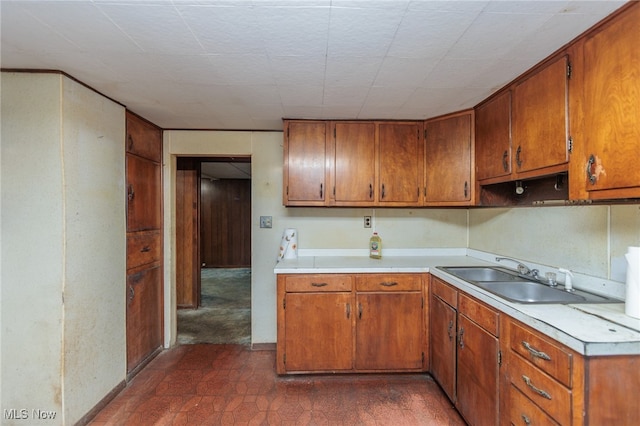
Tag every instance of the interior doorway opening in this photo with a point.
(213, 250)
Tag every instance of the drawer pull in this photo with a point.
(460, 338)
(145, 249)
(534, 352)
(319, 284)
(540, 392)
(525, 419)
(388, 283)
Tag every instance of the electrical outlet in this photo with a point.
(367, 221)
(265, 221)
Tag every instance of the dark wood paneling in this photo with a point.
(225, 223)
(187, 235)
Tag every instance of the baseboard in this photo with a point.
(263, 346)
(102, 404)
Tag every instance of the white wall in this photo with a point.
(63, 246)
(587, 239)
(317, 227)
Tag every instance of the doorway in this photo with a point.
(213, 250)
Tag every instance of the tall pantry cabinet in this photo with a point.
(144, 241)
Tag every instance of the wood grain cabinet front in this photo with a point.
(144, 242)
(350, 323)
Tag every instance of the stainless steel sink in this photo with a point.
(511, 286)
(483, 273)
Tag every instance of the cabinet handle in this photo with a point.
(505, 163)
(130, 192)
(460, 338)
(321, 190)
(348, 310)
(525, 419)
(466, 188)
(382, 194)
(388, 283)
(130, 143)
(145, 249)
(370, 191)
(539, 391)
(449, 329)
(534, 352)
(591, 175)
(318, 284)
(518, 159)
(359, 310)
(132, 293)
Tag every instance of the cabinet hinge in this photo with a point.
(425, 134)
(499, 358)
(335, 134)
(287, 133)
(423, 297)
(568, 70)
(570, 145)
(284, 359)
(284, 303)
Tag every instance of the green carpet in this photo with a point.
(225, 312)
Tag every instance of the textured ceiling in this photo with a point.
(199, 64)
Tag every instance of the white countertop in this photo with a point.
(590, 329)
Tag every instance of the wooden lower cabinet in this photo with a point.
(350, 323)
(465, 349)
(144, 315)
(546, 382)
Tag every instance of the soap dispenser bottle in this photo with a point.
(375, 246)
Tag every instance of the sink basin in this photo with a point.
(483, 273)
(508, 285)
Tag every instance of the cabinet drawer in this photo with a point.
(444, 291)
(545, 392)
(524, 412)
(546, 355)
(389, 282)
(318, 282)
(143, 248)
(482, 315)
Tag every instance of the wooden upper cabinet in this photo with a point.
(305, 168)
(401, 163)
(608, 161)
(448, 146)
(144, 194)
(493, 138)
(143, 138)
(354, 170)
(540, 122)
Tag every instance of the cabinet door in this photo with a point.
(401, 163)
(305, 166)
(443, 345)
(448, 159)
(318, 331)
(354, 171)
(143, 138)
(144, 194)
(493, 138)
(389, 331)
(540, 121)
(144, 315)
(477, 380)
(612, 109)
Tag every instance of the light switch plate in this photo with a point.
(265, 222)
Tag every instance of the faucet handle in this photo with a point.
(568, 279)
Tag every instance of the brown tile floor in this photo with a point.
(208, 384)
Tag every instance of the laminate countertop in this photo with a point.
(589, 329)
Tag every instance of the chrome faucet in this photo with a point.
(521, 267)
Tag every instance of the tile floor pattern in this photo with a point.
(208, 384)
